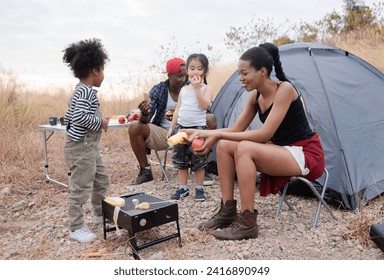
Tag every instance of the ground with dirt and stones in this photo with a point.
(34, 224)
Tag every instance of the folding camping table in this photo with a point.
(49, 130)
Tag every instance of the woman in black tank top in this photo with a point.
(244, 153)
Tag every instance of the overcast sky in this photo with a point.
(34, 32)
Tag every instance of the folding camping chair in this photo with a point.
(163, 164)
(320, 197)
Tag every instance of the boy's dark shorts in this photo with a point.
(183, 156)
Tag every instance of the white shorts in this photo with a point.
(298, 155)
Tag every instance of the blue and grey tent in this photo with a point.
(344, 101)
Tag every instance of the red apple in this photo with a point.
(107, 118)
(122, 120)
(133, 117)
(197, 143)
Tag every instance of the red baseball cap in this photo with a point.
(173, 66)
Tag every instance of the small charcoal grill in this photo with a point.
(135, 220)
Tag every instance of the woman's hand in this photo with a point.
(189, 133)
(210, 138)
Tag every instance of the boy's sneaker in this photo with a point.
(82, 235)
(200, 196)
(180, 193)
(208, 180)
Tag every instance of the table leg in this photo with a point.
(46, 174)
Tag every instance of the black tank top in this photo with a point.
(293, 128)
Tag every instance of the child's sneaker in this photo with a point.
(180, 193)
(82, 235)
(200, 196)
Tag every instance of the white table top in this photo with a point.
(61, 128)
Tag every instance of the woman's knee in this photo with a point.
(246, 149)
(225, 146)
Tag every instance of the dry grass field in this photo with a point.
(22, 162)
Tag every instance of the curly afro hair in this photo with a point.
(85, 55)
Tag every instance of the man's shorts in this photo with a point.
(157, 139)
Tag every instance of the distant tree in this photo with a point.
(282, 40)
(213, 55)
(172, 49)
(333, 23)
(306, 32)
(257, 31)
(164, 53)
(357, 16)
(378, 13)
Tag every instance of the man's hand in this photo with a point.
(169, 114)
(144, 107)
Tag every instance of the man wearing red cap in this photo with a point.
(151, 129)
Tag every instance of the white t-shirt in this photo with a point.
(171, 105)
(190, 113)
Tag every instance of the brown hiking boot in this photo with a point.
(226, 215)
(243, 227)
(145, 175)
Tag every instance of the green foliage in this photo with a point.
(307, 32)
(357, 16)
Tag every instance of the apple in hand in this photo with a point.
(197, 143)
(133, 117)
(122, 120)
(169, 114)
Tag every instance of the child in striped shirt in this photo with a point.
(84, 124)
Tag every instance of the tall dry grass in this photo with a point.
(22, 110)
(366, 45)
(21, 145)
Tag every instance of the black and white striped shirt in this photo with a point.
(81, 112)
